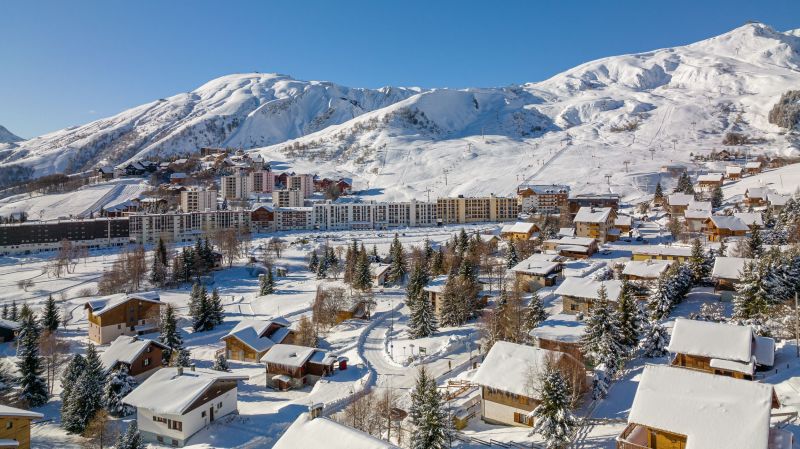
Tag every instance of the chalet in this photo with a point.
(573, 247)
(345, 185)
(682, 409)
(141, 356)
(777, 201)
(377, 272)
(677, 203)
(756, 196)
(645, 270)
(105, 173)
(506, 396)
(623, 223)
(175, 403)
(658, 252)
(561, 332)
(752, 167)
(8, 330)
(291, 366)
(435, 292)
(708, 182)
(15, 427)
(357, 309)
(520, 230)
(311, 431)
(596, 223)
(719, 348)
(753, 220)
(262, 217)
(543, 199)
(250, 339)
(723, 155)
(733, 172)
(566, 232)
(718, 227)
(727, 271)
(178, 178)
(579, 294)
(695, 219)
(537, 271)
(123, 314)
(132, 169)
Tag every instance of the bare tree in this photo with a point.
(55, 353)
(229, 243)
(98, 434)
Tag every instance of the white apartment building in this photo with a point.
(198, 199)
(294, 218)
(288, 198)
(185, 226)
(236, 186)
(353, 214)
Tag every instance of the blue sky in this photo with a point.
(64, 63)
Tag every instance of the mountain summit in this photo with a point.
(7, 136)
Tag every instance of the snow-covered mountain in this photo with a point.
(579, 127)
(7, 136)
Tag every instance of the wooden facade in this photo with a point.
(701, 363)
(716, 234)
(637, 436)
(15, 426)
(122, 319)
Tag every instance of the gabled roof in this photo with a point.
(520, 227)
(377, 269)
(729, 267)
(593, 214)
(288, 355)
(251, 332)
(777, 199)
(648, 269)
(696, 214)
(168, 392)
(561, 327)
(728, 222)
(623, 220)
(680, 199)
(750, 218)
(509, 367)
(753, 164)
(575, 241)
(321, 432)
(103, 304)
(436, 284)
(537, 264)
(733, 170)
(659, 250)
(711, 411)
(588, 288)
(8, 324)
(18, 412)
(126, 349)
(714, 340)
(756, 192)
(710, 177)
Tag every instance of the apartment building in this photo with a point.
(543, 199)
(351, 213)
(236, 186)
(288, 198)
(462, 209)
(198, 199)
(294, 218)
(262, 181)
(303, 183)
(185, 226)
(35, 236)
(596, 223)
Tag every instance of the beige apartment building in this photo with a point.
(476, 209)
(288, 198)
(198, 199)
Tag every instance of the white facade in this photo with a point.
(288, 198)
(303, 183)
(497, 413)
(236, 187)
(294, 218)
(198, 199)
(185, 227)
(373, 215)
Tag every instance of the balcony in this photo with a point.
(633, 437)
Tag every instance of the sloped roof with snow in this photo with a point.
(750, 218)
(700, 205)
(325, 433)
(729, 267)
(560, 327)
(710, 177)
(648, 269)
(566, 232)
(728, 222)
(777, 199)
(659, 250)
(514, 368)
(168, 392)
(587, 288)
(125, 349)
(711, 411)
(733, 170)
(103, 304)
(436, 284)
(520, 227)
(377, 269)
(6, 410)
(623, 220)
(578, 241)
(537, 264)
(680, 199)
(288, 355)
(251, 333)
(8, 324)
(756, 192)
(592, 215)
(714, 340)
(753, 164)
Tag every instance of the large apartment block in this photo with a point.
(303, 183)
(294, 218)
(349, 214)
(35, 236)
(198, 199)
(288, 198)
(262, 181)
(476, 209)
(236, 186)
(543, 199)
(185, 226)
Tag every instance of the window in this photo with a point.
(203, 414)
(146, 362)
(119, 326)
(176, 425)
(219, 405)
(9, 424)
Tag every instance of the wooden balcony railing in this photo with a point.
(622, 439)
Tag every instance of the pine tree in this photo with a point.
(158, 274)
(13, 315)
(183, 358)
(322, 268)
(698, 264)
(200, 309)
(350, 257)
(659, 302)
(463, 241)
(627, 311)
(753, 299)
(602, 340)
(755, 246)
(533, 315)
(217, 310)
(437, 265)
(432, 428)
(451, 311)
(717, 197)
(264, 284)
(427, 251)
(723, 249)
(655, 342)
(554, 420)
(170, 336)
(416, 283)
(50, 317)
(131, 439)
(313, 263)
(86, 397)
(161, 252)
(658, 197)
(32, 386)
(397, 269)
(422, 322)
(4, 314)
(69, 377)
(118, 385)
(220, 363)
(362, 277)
(511, 256)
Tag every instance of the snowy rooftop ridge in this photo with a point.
(717, 341)
(729, 222)
(106, 303)
(6, 410)
(648, 269)
(580, 287)
(592, 215)
(538, 264)
(307, 432)
(125, 349)
(729, 267)
(508, 366)
(251, 333)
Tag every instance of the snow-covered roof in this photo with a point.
(710, 177)
(537, 264)
(579, 241)
(6, 410)
(179, 175)
(588, 288)
(731, 365)
(543, 188)
(728, 222)
(520, 227)
(680, 199)
(756, 192)
(377, 269)
(733, 170)
(288, 355)
(258, 205)
(700, 205)
(436, 285)
(659, 250)
(777, 199)
(125, 349)
(103, 304)
(714, 340)
(8, 324)
(764, 351)
(592, 215)
(561, 327)
(753, 164)
(566, 232)
(513, 368)
(251, 333)
(695, 214)
(168, 392)
(750, 218)
(623, 220)
(648, 269)
(321, 432)
(729, 267)
(711, 411)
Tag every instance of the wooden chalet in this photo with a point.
(142, 357)
(572, 247)
(15, 427)
(250, 339)
(537, 271)
(727, 271)
(658, 252)
(733, 172)
(292, 366)
(123, 314)
(377, 272)
(520, 230)
(677, 203)
(708, 182)
(579, 294)
(561, 332)
(753, 167)
(645, 270)
(8, 330)
(718, 227)
(756, 196)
